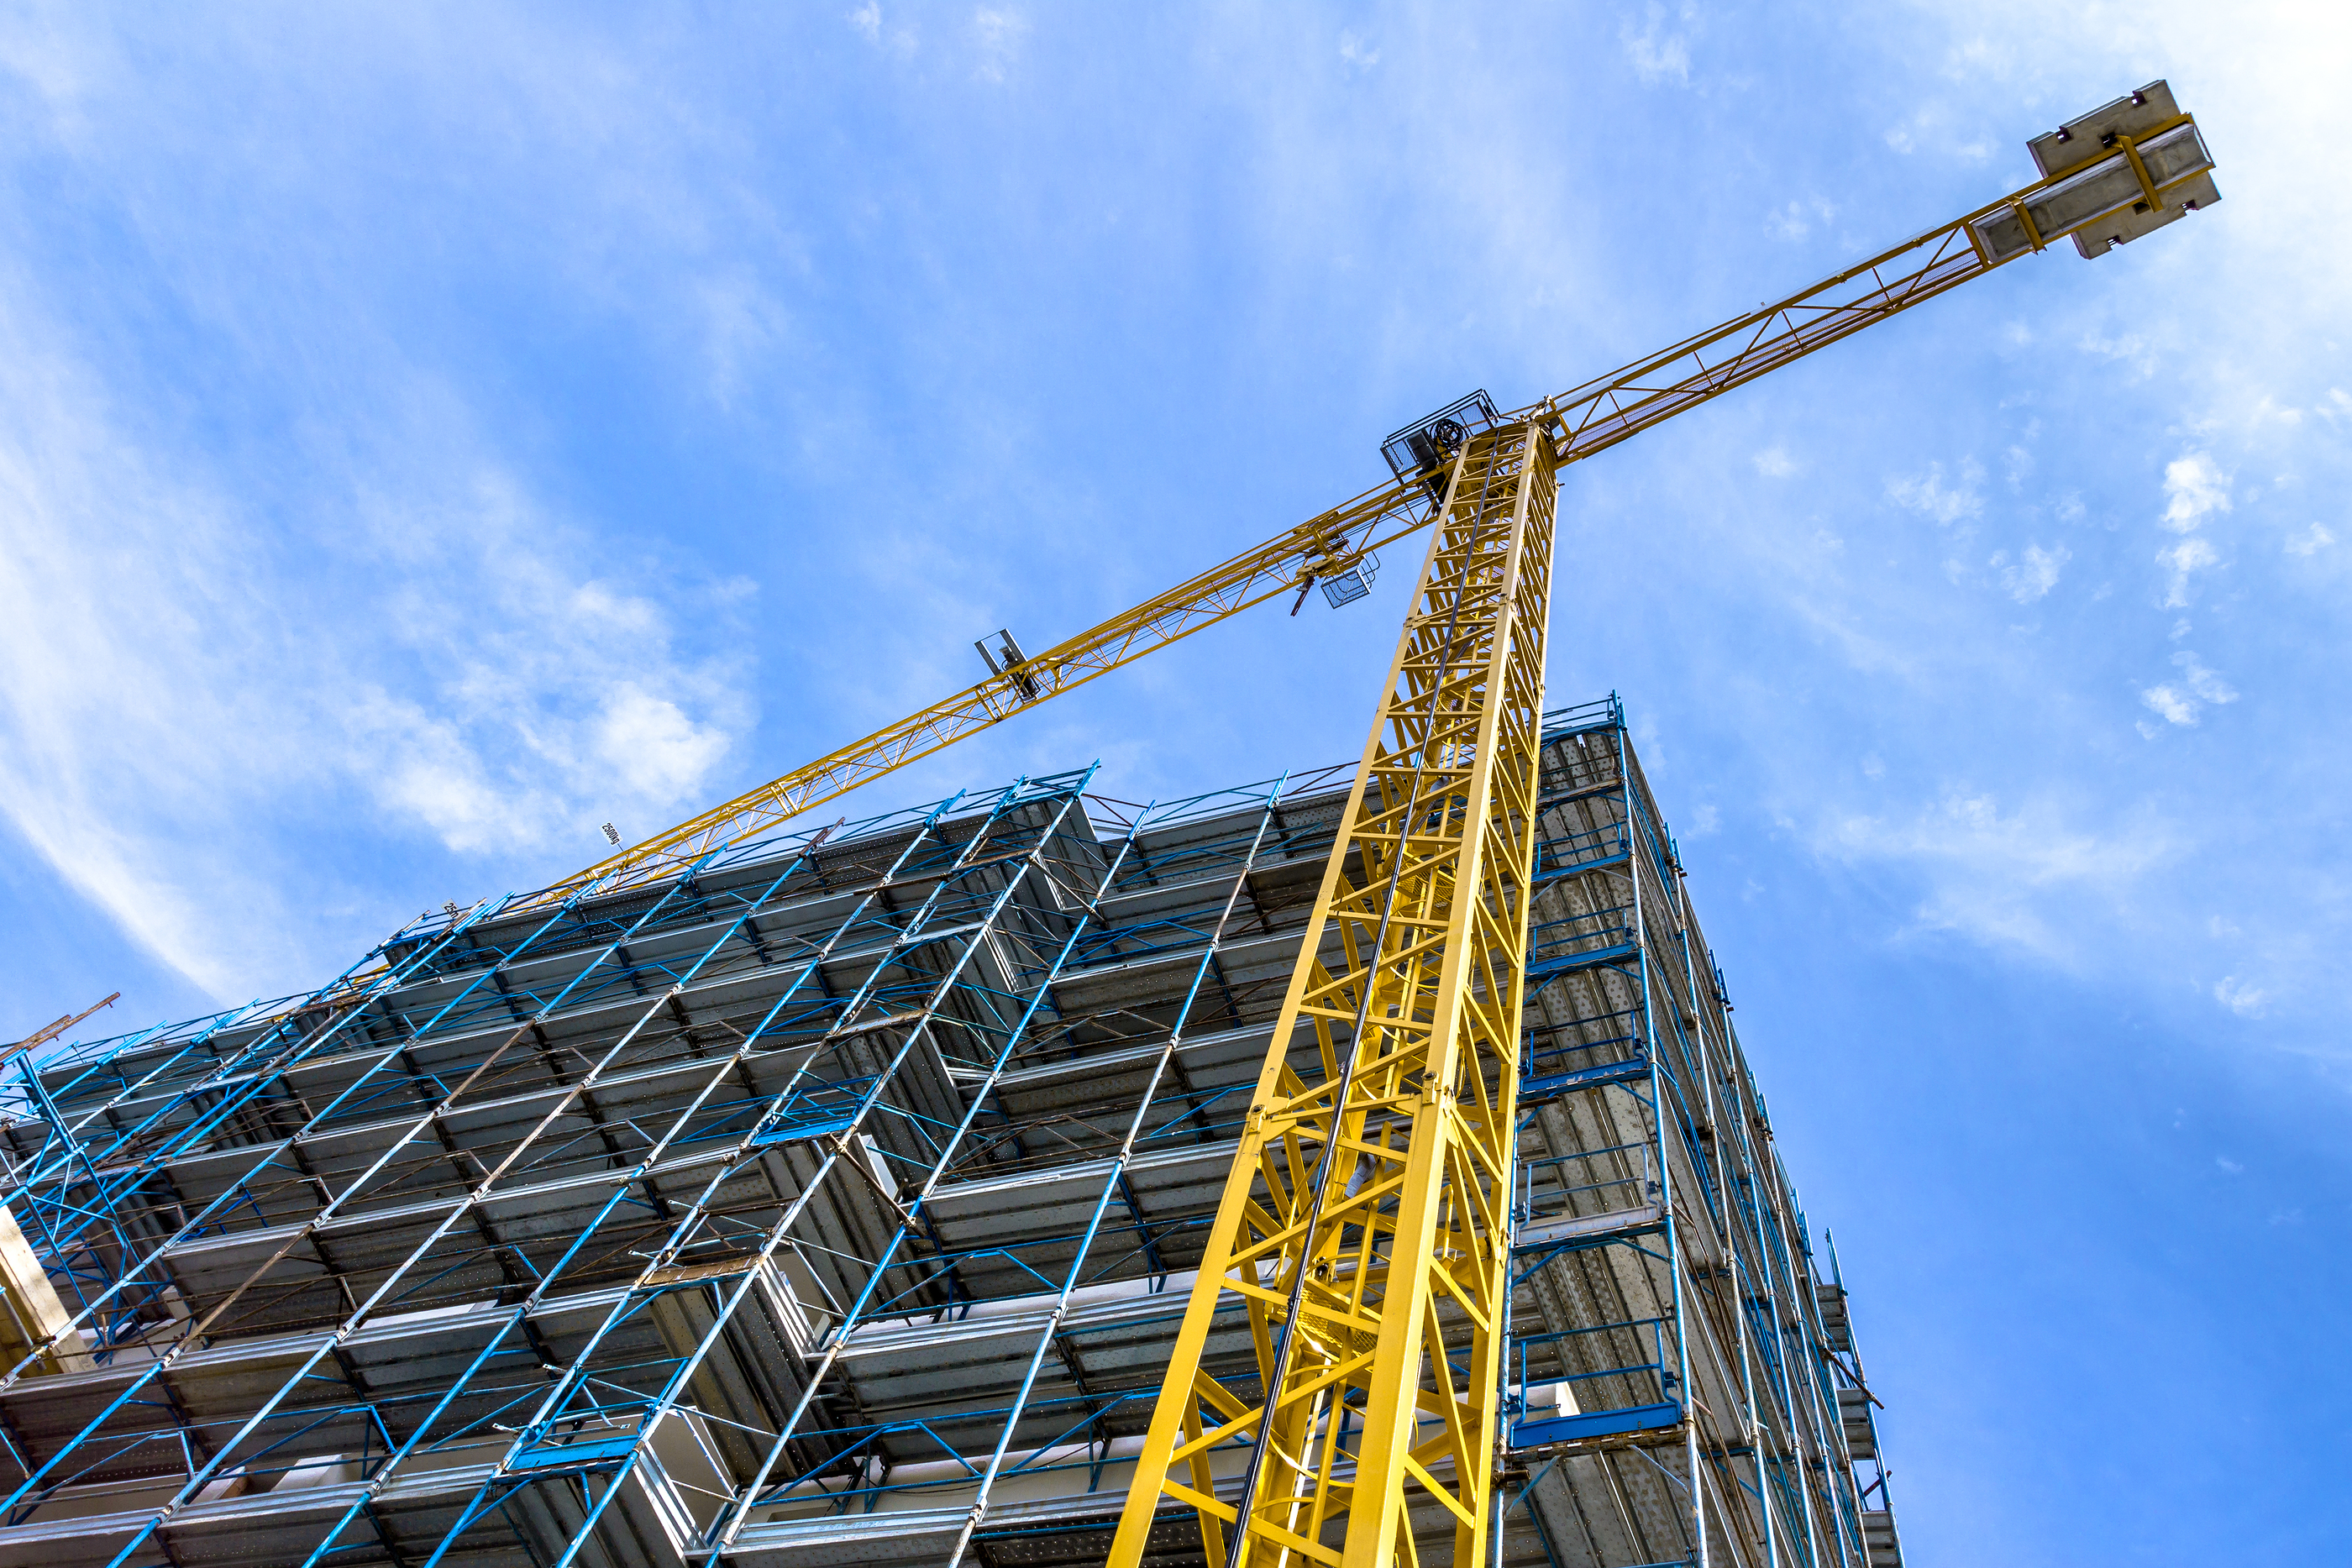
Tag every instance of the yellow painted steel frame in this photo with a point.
(1317, 548)
(1578, 423)
(1364, 1228)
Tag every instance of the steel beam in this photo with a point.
(1364, 1224)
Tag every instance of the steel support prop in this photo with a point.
(1364, 1229)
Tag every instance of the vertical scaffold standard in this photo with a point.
(1365, 1224)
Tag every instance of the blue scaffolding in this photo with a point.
(834, 1200)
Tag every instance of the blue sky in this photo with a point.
(427, 433)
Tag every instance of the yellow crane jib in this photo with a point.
(2077, 196)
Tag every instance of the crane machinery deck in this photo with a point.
(1357, 1168)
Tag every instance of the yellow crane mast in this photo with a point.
(1365, 1224)
(1364, 1229)
(1366, 1213)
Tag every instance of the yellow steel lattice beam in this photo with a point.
(1577, 423)
(1362, 1229)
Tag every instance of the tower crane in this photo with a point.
(1364, 1229)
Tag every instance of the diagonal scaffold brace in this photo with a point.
(1364, 1232)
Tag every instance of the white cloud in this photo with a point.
(1929, 496)
(2197, 686)
(1795, 220)
(868, 20)
(2246, 1001)
(1656, 53)
(1706, 820)
(2128, 350)
(740, 326)
(998, 33)
(2033, 574)
(1774, 463)
(2170, 705)
(2019, 878)
(247, 673)
(2335, 405)
(2268, 410)
(1979, 57)
(188, 693)
(2184, 560)
(653, 749)
(1931, 127)
(1356, 52)
(2311, 541)
(2227, 1165)
(2194, 488)
(2208, 686)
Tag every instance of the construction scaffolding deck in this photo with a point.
(837, 1204)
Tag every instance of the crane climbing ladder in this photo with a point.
(642, 1219)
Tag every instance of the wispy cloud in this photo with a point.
(1774, 463)
(867, 20)
(240, 669)
(2129, 349)
(1657, 51)
(1929, 496)
(2033, 573)
(1794, 220)
(2180, 701)
(2012, 879)
(998, 31)
(1356, 52)
(2182, 562)
(184, 693)
(2246, 1001)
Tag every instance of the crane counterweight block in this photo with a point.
(2124, 169)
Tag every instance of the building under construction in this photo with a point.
(803, 1205)
(1357, 1167)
